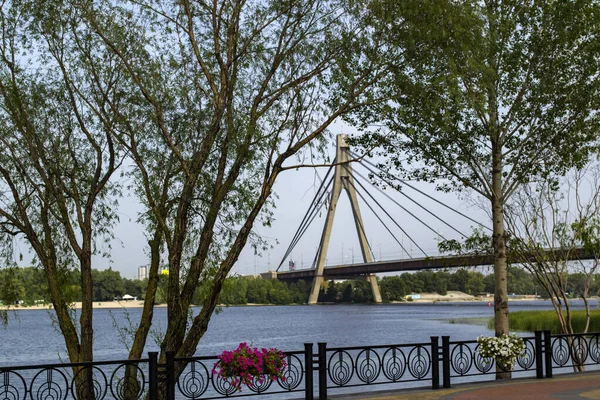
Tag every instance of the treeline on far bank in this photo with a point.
(243, 290)
(27, 285)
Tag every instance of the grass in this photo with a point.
(483, 321)
(547, 320)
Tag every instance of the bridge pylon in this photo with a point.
(342, 180)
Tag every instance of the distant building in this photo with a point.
(143, 272)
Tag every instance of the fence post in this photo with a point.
(308, 372)
(170, 371)
(322, 371)
(435, 362)
(539, 366)
(548, 353)
(446, 361)
(152, 375)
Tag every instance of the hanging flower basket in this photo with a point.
(504, 349)
(247, 365)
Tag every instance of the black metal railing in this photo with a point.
(464, 360)
(198, 381)
(122, 380)
(375, 365)
(575, 351)
(437, 363)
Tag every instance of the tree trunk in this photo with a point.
(141, 333)
(499, 245)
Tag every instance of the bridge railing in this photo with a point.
(314, 372)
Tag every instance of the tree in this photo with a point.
(258, 291)
(108, 285)
(234, 290)
(393, 288)
(299, 291)
(210, 100)
(542, 216)
(57, 157)
(223, 96)
(11, 289)
(135, 287)
(489, 95)
(279, 293)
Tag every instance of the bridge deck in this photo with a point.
(416, 264)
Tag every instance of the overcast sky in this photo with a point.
(295, 190)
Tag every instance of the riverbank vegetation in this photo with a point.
(27, 285)
(531, 321)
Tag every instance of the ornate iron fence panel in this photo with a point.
(376, 365)
(121, 380)
(419, 364)
(575, 351)
(465, 359)
(198, 381)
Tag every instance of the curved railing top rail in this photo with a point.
(381, 346)
(560, 335)
(208, 358)
(475, 341)
(70, 365)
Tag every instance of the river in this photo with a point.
(31, 338)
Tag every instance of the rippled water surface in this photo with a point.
(30, 337)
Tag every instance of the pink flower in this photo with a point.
(249, 366)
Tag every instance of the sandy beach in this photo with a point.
(451, 296)
(77, 305)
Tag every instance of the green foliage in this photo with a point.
(108, 285)
(487, 96)
(239, 290)
(547, 320)
(393, 288)
(479, 242)
(480, 77)
(12, 289)
(234, 291)
(29, 285)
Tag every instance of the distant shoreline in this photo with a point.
(425, 298)
(77, 305)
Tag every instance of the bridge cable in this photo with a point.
(380, 220)
(312, 218)
(422, 207)
(417, 190)
(313, 212)
(392, 219)
(320, 248)
(307, 220)
(362, 228)
(403, 208)
(309, 216)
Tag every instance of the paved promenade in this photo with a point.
(561, 387)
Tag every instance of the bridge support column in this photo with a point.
(372, 279)
(342, 180)
(313, 297)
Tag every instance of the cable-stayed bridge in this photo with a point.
(328, 194)
(416, 264)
